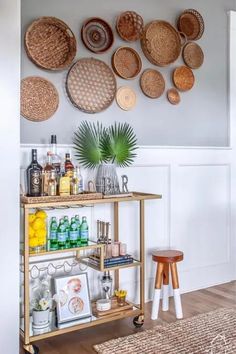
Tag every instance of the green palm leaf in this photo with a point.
(87, 144)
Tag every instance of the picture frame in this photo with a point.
(73, 297)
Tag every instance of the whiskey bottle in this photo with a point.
(47, 173)
(69, 167)
(52, 184)
(56, 160)
(34, 176)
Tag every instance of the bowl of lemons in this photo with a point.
(37, 231)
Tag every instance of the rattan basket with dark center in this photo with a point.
(192, 24)
(91, 85)
(50, 43)
(161, 43)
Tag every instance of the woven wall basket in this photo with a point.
(39, 99)
(91, 85)
(183, 78)
(129, 26)
(152, 83)
(161, 43)
(50, 43)
(173, 96)
(193, 55)
(126, 62)
(192, 24)
(126, 98)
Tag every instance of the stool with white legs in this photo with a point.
(166, 259)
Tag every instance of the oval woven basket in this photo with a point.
(183, 78)
(91, 85)
(97, 35)
(193, 55)
(39, 99)
(129, 26)
(161, 43)
(126, 62)
(50, 43)
(192, 24)
(126, 98)
(152, 83)
(173, 96)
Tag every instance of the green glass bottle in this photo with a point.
(73, 233)
(53, 242)
(84, 231)
(61, 235)
(77, 220)
(67, 225)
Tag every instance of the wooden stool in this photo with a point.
(166, 259)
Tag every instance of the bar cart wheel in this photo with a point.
(138, 321)
(31, 349)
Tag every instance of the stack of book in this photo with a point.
(111, 262)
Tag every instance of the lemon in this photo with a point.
(31, 232)
(33, 242)
(32, 217)
(41, 241)
(41, 214)
(38, 224)
(41, 233)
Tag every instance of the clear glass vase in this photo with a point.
(106, 179)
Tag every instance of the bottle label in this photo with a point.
(61, 236)
(84, 234)
(57, 167)
(35, 182)
(73, 235)
(53, 235)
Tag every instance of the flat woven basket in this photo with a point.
(191, 23)
(183, 78)
(193, 55)
(50, 43)
(126, 62)
(173, 96)
(39, 99)
(97, 35)
(91, 85)
(152, 83)
(126, 98)
(161, 43)
(129, 26)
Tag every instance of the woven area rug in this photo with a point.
(211, 333)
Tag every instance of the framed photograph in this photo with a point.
(73, 297)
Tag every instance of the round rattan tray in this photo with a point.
(152, 83)
(173, 96)
(126, 62)
(183, 78)
(39, 99)
(193, 55)
(161, 43)
(97, 35)
(126, 98)
(50, 43)
(129, 26)
(191, 23)
(91, 85)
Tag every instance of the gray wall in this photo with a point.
(202, 116)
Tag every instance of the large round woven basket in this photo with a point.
(91, 85)
(161, 43)
(50, 43)
(39, 98)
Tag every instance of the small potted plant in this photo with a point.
(41, 312)
(105, 148)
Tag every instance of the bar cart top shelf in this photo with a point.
(136, 196)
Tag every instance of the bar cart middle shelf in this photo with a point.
(137, 311)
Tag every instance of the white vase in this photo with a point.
(107, 179)
(41, 318)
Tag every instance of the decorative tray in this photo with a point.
(50, 43)
(58, 198)
(39, 98)
(115, 308)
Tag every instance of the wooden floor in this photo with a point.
(194, 303)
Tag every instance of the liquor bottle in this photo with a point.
(61, 235)
(46, 173)
(69, 167)
(34, 177)
(74, 184)
(55, 158)
(64, 184)
(67, 226)
(77, 220)
(84, 231)
(73, 233)
(53, 242)
(80, 180)
(52, 184)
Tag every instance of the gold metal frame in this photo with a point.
(136, 311)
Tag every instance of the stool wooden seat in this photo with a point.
(166, 259)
